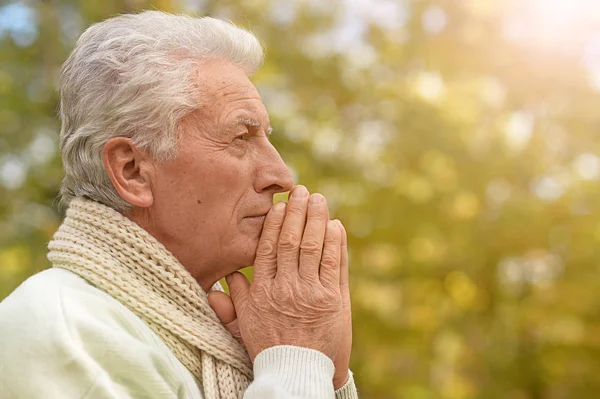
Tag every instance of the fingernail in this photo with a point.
(316, 199)
(331, 225)
(279, 206)
(300, 192)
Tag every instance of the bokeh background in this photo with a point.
(458, 140)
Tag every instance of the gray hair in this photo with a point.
(135, 76)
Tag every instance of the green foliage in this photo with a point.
(455, 140)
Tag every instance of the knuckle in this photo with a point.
(311, 247)
(266, 250)
(320, 296)
(326, 299)
(289, 241)
(329, 260)
(283, 293)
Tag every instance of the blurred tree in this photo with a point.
(457, 142)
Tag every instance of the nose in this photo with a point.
(272, 175)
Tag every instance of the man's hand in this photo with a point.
(297, 297)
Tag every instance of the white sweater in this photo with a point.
(60, 337)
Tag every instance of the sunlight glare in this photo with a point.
(553, 23)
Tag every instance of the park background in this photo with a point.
(457, 140)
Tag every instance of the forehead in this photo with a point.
(222, 81)
(226, 95)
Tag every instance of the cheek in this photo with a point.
(212, 189)
(228, 182)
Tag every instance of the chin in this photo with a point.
(243, 255)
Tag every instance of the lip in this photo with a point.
(257, 218)
(258, 215)
(261, 213)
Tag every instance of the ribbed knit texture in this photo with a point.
(304, 372)
(122, 259)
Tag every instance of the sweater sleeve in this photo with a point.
(291, 372)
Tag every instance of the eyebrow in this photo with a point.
(251, 123)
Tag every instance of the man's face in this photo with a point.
(209, 203)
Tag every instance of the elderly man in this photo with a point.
(170, 177)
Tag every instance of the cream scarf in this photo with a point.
(123, 260)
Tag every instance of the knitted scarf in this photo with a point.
(120, 258)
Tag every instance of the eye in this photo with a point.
(241, 137)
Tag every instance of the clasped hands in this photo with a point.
(300, 294)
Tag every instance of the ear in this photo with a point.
(130, 170)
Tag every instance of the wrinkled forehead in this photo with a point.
(218, 78)
(227, 96)
(226, 92)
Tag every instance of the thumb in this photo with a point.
(239, 288)
(225, 306)
(222, 304)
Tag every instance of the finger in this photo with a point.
(288, 248)
(311, 247)
(330, 260)
(344, 279)
(344, 282)
(265, 264)
(239, 288)
(344, 271)
(222, 304)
